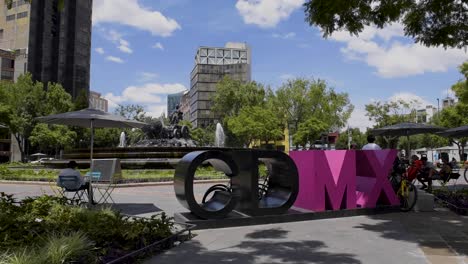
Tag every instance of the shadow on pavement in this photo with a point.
(134, 208)
(274, 233)
(440, 232)
(257, 251)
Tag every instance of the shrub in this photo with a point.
(77, 231)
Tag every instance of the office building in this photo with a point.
(425, 115)
(7, 65)
(185, 105)
(54, 45)
(212, 64)
(173, 100)
(447, 102)
(97, 102)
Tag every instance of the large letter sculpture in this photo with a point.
(327, 179)
(241, 166)
(332, 180)
(372, 170)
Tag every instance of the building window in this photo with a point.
(10, 17)
(21, 15)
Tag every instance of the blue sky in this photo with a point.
(144, 49)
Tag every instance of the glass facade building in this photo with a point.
(212, 64)
(60, 44)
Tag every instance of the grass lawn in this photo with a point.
(30, 174)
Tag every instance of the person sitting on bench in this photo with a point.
(415, 168)
(445, 170)
(427, 172)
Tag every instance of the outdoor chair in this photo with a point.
(72, 185)
(104, 177)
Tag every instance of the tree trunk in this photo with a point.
(20, 146)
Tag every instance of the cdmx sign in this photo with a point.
(313, 180)
(242, 194)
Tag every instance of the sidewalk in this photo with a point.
(435, 237)
(416, 237)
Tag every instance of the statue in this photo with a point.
(157, 134)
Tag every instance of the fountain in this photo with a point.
(122, 140)
(219, 136)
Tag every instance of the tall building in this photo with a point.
(211, 65)
(53, 44)
(173, 100)
(97, 102)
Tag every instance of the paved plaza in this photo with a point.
(416, 237)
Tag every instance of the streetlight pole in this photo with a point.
(438, 110)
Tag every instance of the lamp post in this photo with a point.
(438, 110)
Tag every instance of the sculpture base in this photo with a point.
(294, 214)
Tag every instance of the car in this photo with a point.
(41, 160)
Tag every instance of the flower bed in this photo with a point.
(455, 200)
(48, 229)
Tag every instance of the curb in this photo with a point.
(123, 185)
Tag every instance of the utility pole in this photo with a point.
(349, 138)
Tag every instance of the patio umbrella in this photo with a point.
(456, 132)
(90, 118)
(406, 129)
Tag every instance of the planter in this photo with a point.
(157, 247)
(456, 201)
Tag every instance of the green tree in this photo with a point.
(390, 113)
(204, 136)
(429, 22)
(301, 100)
(22, 102)
(255, 123)
(132, 112)
(455, 116)
(357, 137)
(81, 101)
(461, 87)
(309, 131)
(52, 137)
(231, 95)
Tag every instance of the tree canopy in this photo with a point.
(429, 22)
(23, 101)
(297, 101)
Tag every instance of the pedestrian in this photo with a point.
(370, 144)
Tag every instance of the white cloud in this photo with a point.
(383, 50)
(158, 45)
(151, 95)
(99, 50)
(117, 38)
(147, 76)
(124, 46)
(114, 59)
(419, 102)
(131, 13)
(266, 13)
(358, 119)
(284, 36)
(286, 76)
